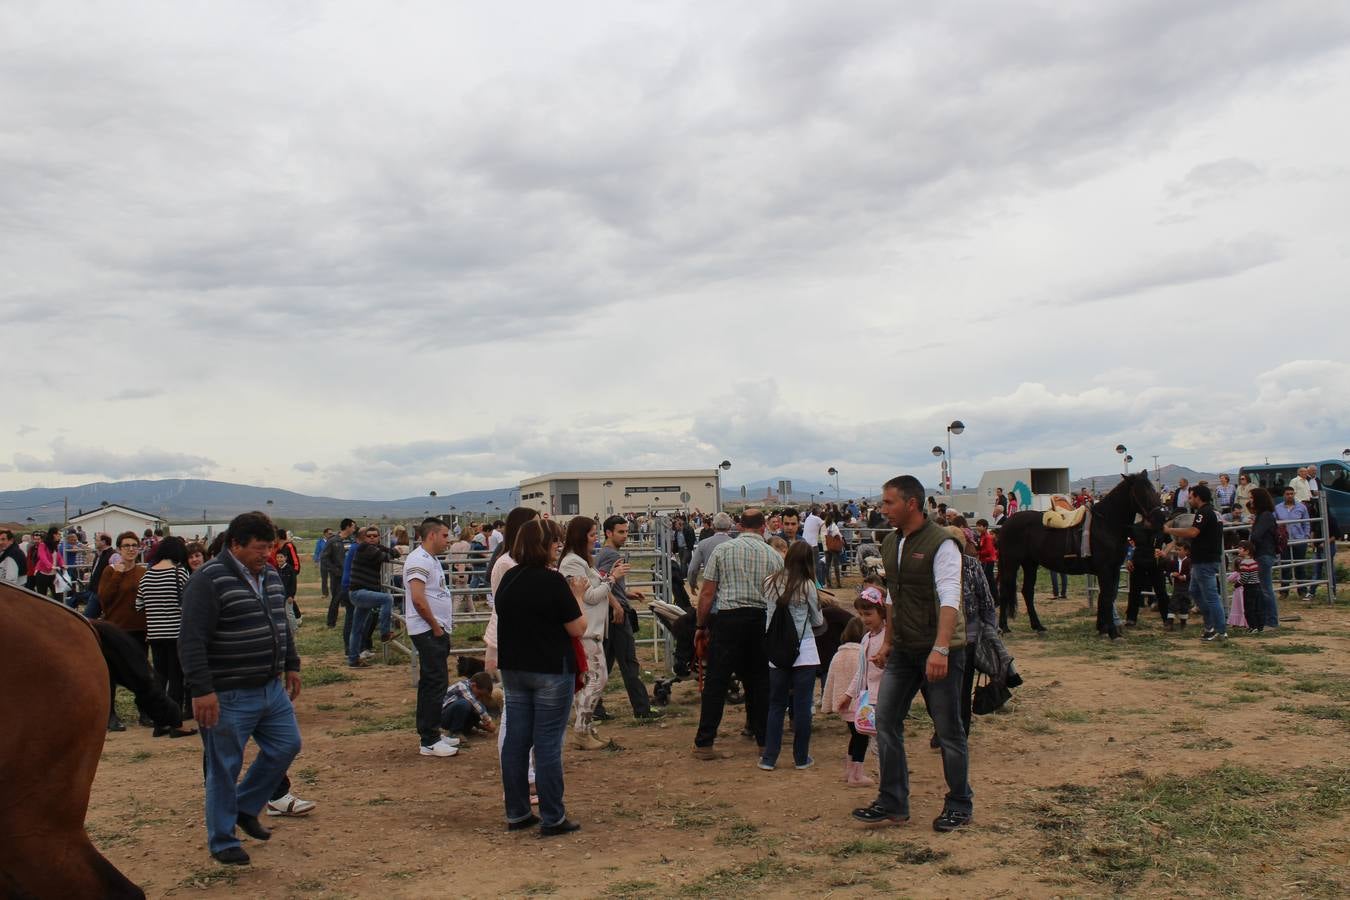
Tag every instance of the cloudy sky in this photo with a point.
(378, 249)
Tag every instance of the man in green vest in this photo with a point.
(923, 574)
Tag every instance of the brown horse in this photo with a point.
(54, 707)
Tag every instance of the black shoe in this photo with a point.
(933, 742)
(650, 714)
(950, 820)
(566, 826)
(253, 828)
(172, 731)
(875, 815)
(532, 821)
(115, 724)
(600, 715)
(146, 721)
(231, 856)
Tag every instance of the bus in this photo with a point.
(1333, 475)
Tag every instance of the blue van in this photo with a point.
(1333, 476)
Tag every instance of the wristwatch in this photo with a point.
(940, 651)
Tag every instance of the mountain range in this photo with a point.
(193, 499)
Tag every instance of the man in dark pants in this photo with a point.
(619, 645)
(1146, 573)
(334, 553)
(732, 583)
(923, 650)
(428, 611)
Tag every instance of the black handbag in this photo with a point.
(632, 617)
(989, 696)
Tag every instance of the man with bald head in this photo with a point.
(731, 614)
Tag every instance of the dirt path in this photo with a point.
(1100, 779)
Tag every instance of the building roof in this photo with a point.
(149, 517)
(648, 473)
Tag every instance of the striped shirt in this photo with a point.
(740, 568)
(231, 636)
(160, 595)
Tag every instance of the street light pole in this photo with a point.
(956, 427)
(835, 473)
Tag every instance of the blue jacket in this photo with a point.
(318, 548)
(347, 565)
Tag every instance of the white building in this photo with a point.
(564, 494)
(114, 519)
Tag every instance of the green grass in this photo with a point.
(402, 722)
(732, 880)
(1328, 713)
(1180, 826)
(1337, 687)
(318, 676)
(630, 890)
(212, 877)
(905, 852)
(1072, 716)
(1290, 649)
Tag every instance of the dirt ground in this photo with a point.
(1161, 767)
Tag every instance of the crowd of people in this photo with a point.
(764, 589)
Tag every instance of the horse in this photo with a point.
(55, 710)
(1025, 543)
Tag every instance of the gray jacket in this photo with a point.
(702, 553)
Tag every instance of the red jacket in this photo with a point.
(988, 548)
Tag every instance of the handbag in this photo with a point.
(631, 615)
(579, 655)
(865, 719)
(834, 543)
(60, 581)
(989, 696)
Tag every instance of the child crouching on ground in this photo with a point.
(872, 610)
(464, 706)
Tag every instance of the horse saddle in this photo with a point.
(1064, 518)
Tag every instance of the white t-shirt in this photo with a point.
(811, 529)
(496, 540)
(422, 566)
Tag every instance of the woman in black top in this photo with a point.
(538, 616)
(1264, 528)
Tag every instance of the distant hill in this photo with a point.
(191, 499)
(1169, 474)
(802, 491)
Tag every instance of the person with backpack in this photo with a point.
(792, 619)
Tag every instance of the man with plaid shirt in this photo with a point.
(463, 709)
(731, 610)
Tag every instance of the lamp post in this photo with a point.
(1120, 448)
(723, 466)
(834, 473)
(942, 469)
(956, 427)
(609, 510)
(1345, 454)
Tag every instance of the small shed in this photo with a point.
(114, 519)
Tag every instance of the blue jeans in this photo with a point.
(1270, 608)
(266, 715)
(1205, 593)
(1059, 583)
(363, 601)
(801, 682)
(902, 679)
(539, 706)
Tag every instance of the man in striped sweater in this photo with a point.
(236, 649)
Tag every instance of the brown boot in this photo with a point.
(584, 740)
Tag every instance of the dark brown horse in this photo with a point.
(54, 707)
(1025, 543)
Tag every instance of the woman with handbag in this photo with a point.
(977, 602)
(159, 595)
(834, 548)
(576, 565)
(791, 591)
(538, 615)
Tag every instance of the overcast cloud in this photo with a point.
(377, 250)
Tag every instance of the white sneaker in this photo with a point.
(289, 805)
(367, 654)
(440, 748)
